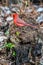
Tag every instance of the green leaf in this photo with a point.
(10, 45)
(7, 32)
(17, 33)
(14, 53)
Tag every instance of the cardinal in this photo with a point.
(19, 22)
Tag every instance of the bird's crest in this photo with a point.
(15, 15)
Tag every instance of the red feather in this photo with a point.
(19, 22)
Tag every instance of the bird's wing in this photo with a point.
(20, 21)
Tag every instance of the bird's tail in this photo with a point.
(31, 25)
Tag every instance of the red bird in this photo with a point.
(19, 22)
